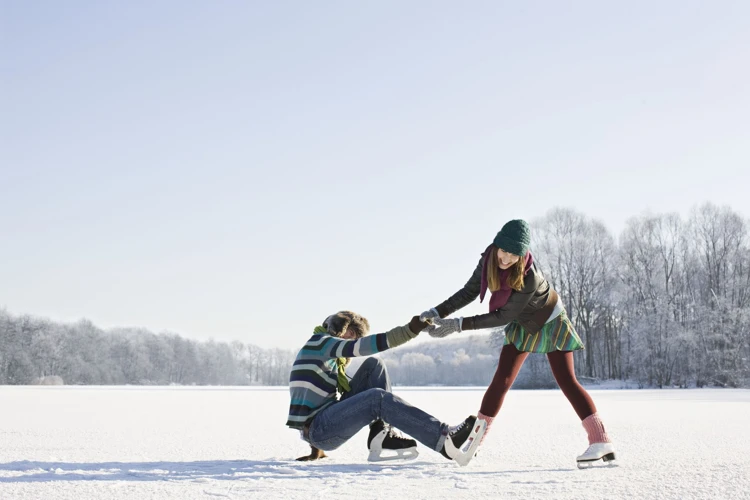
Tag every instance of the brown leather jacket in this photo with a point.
(531, 306)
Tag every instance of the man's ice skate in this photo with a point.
(596, 452)
(387, 444)
(463, 440)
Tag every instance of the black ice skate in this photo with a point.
(463, 440)
(384, 437)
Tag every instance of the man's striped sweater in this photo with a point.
(312, 381)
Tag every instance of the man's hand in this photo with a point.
(444, 327)
(315, 454)
(416, 326)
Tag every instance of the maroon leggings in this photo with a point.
(561, 362)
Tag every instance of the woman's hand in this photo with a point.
(444, 327)
(429, 315)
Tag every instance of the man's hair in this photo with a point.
(337, 324)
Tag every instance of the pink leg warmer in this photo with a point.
(595, 429)
(482, 416)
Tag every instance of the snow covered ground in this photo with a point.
(185, 443)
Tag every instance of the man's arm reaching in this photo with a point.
(333, 347)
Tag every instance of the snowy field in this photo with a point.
(184, 443)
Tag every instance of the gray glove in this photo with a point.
(428, 316)
(444, 327)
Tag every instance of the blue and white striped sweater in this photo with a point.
(312, 381)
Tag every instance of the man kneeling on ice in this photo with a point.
(327, 420)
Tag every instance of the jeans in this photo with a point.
(371, 399)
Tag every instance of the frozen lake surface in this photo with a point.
(184, 443)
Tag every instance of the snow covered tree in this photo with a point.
(576, 255)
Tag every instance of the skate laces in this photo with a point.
(455, 428)
(392, 432)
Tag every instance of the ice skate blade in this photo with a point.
(463, 455)
(402, 454)
(606, 460)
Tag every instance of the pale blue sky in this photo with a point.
(239, 170)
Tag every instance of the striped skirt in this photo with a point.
(557, 335)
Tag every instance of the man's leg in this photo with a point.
(372, 374)
(336, 424)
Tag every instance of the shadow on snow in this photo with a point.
(248, 470)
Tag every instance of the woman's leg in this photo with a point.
(511, 361)
(563, 369)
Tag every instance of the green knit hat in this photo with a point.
(514, 237)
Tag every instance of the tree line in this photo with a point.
(36, 350)
(667, 303)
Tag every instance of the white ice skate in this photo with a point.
(468, 448)
(385, 444)
(596, 452)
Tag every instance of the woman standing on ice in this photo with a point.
(522, 299)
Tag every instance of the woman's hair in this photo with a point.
(515, 278)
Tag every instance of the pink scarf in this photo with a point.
(499, 297)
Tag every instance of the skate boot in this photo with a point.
(463, 440)
(600, 446)
(384, 438)
(597, 451)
